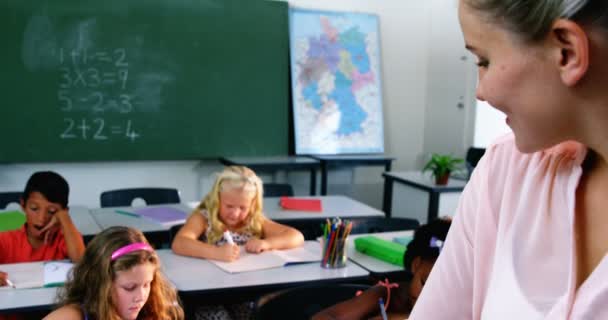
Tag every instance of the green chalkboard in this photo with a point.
(107, 80)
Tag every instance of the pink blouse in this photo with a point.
(510, 251)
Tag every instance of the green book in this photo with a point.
(11, 220)
(384, 250)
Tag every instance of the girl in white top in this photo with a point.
(529, 238)
(230, 216)
(234, 205)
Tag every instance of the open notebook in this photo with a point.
(309, 252)
(37, 274)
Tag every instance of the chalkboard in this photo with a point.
(143, 80)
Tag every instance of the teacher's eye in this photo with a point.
(482, 63)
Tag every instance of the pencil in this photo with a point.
(127, 213)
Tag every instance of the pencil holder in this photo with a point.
(333, 252)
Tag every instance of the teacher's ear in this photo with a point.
(570, 43)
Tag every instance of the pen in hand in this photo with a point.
(228, 237)
(382, 311)
(10, 283)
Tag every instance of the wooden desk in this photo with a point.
(265, 164)
(155, 232)
(415, 195)
(329, 161)
(201, 282)
(25, 300)
(370, 263)
(333, 206)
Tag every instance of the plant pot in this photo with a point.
(442, 180)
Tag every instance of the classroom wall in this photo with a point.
(490, 124)
(411, 35)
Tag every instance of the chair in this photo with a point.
(278, 190)
(382, 224)
(310, 228)
(124, 197)
(472, 158)
(173, 232)
(303, 302)
(9, 197)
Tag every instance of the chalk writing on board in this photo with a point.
(95, 81)
(97, 129)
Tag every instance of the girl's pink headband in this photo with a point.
(130, 248)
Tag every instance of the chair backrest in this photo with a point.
(310, 228)
(303, 302)
(124, 197)
(473, 156)
(173, 231)
(9, 197)
(278, 190)
(382, 224)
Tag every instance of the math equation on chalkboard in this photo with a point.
(97, 129)
(96, 82)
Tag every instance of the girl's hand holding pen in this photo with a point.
(228, 252)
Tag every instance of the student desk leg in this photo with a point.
(313, 181)
(387, 199)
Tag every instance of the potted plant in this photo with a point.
(441, 166)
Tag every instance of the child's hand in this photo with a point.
(228, 252)
(50, 230)
(3, 277)
(257, 245)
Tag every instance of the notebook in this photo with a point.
(37, 274)
(301, 204)
(309, 252)
(167, 216)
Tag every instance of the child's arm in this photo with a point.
(73, 240)
(186, 242)
(359, 307)
(366, 305)
(275, 236)
(66, 312)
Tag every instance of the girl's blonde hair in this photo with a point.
(233, 178)
(89, 285)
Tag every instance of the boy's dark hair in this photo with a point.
(421, 247)
(50, 184)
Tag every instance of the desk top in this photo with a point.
(271, 162)
(84, 221)
(425, 181)
(372, 264)
(108, 217)
(181, 272)
(333, 206)
(15, 300)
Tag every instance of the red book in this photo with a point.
(301, 204)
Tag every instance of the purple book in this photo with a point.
(164, 215)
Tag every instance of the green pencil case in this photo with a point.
(384, 250)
